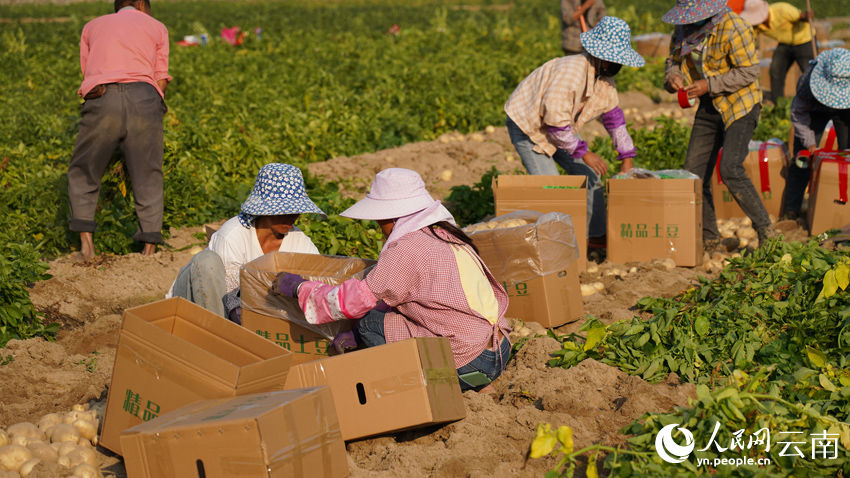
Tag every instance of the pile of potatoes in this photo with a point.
(65, 439)
(740, 227)
(501, 224)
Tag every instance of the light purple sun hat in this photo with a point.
(395, 193)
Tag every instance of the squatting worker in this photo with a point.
(789, 26)
(429, 281)
(124, 60)
(265, 224)
(549, 106)
(713, 57)
(823, 94)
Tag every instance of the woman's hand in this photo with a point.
(286, 284)
(697, 89)
(596, 163)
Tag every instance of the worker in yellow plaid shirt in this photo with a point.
(713, 59)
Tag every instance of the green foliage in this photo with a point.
(472, 204)
(774, 121)
(19, 268)
(663, 147)
(766, 344)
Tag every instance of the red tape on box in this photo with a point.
(764, 169)
(841, 160)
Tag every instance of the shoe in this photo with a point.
(730, 244)
(709, 245)
(766, 233)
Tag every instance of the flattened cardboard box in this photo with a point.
(763, 165)
(387, 388)
(292, 433)
(172, 353)
(566, 194)
(537, 264)
(280, 319)
(828, 197)
(655, 219)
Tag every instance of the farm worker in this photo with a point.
(789, 26)
(429, 280)
(548, 107)
(266, 224)
(571, 26)
(713, 58)
(124, 60)
(823, 94)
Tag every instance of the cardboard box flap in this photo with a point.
(257, 276)
(517, 183)
(441, 377)
(659, 189)
(546, 245)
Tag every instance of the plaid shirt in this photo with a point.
(418, 276)
(730, 44)
(561, 92)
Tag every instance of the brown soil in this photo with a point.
(594, 399)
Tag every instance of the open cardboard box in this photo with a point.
(537, 263)
(172, 353)
(280, 319)
(566, 194)
(387, 388)
(291, 433)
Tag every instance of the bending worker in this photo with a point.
(548, 107)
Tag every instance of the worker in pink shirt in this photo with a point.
(124, 61)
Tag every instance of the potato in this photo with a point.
(592, 268)
(587, 290)
(4, 438)
(63, 448)
(746, 233)
(80, 454)
(73, 416)
(85, 470)
(63, 432)
(514, 223)
(80, 407)
(27, 467)
(87, 430)
(43, 451)
(598, 286)
(490, 129)
(476, 137)
(25, 429)
(743, 242)
(727, 233)
(633, 270)
(746, 222)
(446, 175)
(669, 264)
(13, 456)
(9, 474)
(49, 420)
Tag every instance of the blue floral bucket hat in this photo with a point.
(278, 190)
(692, 11)
(611, 40)
(830, 82)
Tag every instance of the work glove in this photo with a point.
(286, 284)
(344, 342)
(235, 315)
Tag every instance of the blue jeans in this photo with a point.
(202, 281)
(369, 331)
(540, 164)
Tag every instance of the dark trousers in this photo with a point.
(129, 117)
(796, 178)
(783, 57)
(707, 137)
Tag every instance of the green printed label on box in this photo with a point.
(133, 404)
(302, 346)
(649, 231)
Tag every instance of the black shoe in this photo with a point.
(730, 244)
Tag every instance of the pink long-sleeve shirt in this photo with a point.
(124, 47)
(434, 288)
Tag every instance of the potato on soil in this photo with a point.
(43, 451)
(27, 467)
(587, 290)
(24, 429)
(80, 454)
(598, 286)
(13, 456)
(63, 448)
(86, 470)
(87, 430)
(64, 432)
(9, 474)
(49, 420)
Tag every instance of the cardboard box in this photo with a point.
(388, 388)
(566, 194)
(655, 219)
(537, 263)
(280, 319)
(828, 192)
(764, 165)
(172, 353)
(291, 433)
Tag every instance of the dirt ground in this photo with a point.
(594, 399)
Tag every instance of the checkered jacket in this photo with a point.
(731, 44)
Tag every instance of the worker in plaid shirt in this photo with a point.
(548, 107)
(429, 282)
(713, 58)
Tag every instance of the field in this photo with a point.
(328, 86)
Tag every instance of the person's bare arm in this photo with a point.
(163, 84)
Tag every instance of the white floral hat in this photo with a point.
(279, 190)
(611, 40)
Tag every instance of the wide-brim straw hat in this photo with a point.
(279, 190)
(692, 11)
(395, 193)
(611, 40)
(755, 12)
(830, 81)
